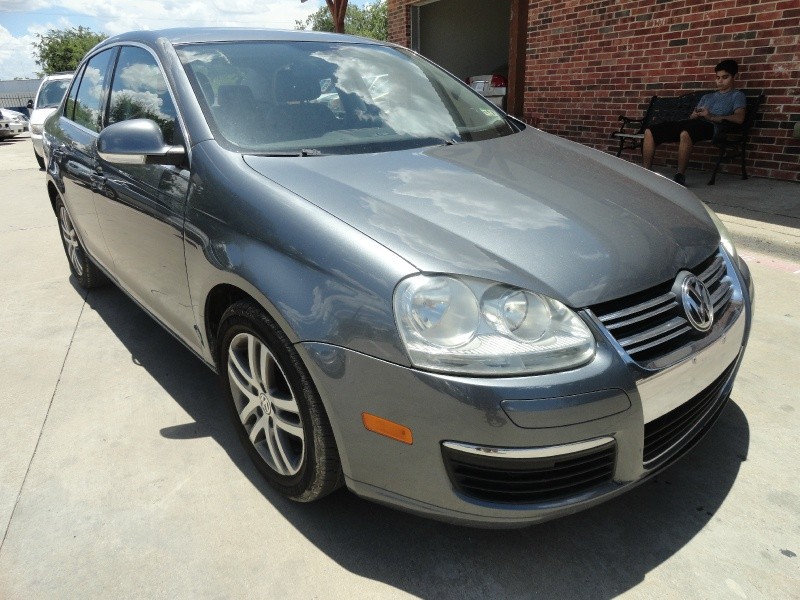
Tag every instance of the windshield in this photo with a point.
(311, 97)
(51, 93)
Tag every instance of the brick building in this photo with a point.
(574, 67)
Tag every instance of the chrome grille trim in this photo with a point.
(714, 272)
(665, 390)
(684, 328)
(533, 452)
(643, 316)
(610, 320)
(651, 328)
(662, 332)
(722, 296)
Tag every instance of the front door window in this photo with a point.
(139, 91)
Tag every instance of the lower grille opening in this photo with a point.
(666, 431)
(529, 480)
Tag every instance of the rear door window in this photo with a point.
(88, 106)
(69, 108)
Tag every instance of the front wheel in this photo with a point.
(275, 407)
(39, 160)
(85, 271)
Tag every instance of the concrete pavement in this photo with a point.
(121, 477)
(763, 215)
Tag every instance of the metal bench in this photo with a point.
(729, 138)
(660, 109)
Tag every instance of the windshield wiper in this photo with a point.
(303, 152)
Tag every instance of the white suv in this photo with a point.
(48, 97)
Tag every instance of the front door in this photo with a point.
(141, 207)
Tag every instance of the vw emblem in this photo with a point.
(697, 303)
(266, 406)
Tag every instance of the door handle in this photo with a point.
(98, 181)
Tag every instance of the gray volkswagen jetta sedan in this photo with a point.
(413, 295)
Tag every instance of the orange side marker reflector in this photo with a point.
(388, 428)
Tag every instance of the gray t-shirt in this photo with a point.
(723, 105)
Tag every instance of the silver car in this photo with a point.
(12, 123)
(421, 299)
(48, 97)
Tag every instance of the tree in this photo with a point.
(370, 21)
(63, 49)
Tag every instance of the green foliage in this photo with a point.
(83, 114)
(63, 49)
(125, 105)
(370, 21)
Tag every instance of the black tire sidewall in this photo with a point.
(92, 276)
(81, 278)
(246, 317)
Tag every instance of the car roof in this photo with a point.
(189, 35)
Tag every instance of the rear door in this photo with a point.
(73, 151)
(141, 207)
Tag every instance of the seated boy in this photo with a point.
(726, 104)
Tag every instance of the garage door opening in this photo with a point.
(472, 37)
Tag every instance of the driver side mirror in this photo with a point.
(30, 104)
(137, 142)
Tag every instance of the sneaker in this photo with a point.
(679, 178)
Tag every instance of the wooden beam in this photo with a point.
(518, 45)
(338, 10)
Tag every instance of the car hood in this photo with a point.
(529, 209)
(11, 115)
(39, 115)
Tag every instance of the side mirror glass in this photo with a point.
(137, 142)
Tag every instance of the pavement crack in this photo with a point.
(44, 423)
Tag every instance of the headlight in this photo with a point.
(37, 129)
(725, 236)
(472, 326)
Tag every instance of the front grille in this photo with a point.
(529, 480)
(666, 436)
(651, 324)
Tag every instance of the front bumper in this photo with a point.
(486, 451)
(11, 128)
(36, 140)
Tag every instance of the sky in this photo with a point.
(21, 20)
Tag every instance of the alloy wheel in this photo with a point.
(266, 404)
(71, 242)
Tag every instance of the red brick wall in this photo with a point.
(589, 62)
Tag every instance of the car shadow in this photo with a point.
(598, 553)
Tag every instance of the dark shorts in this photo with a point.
(670, 131)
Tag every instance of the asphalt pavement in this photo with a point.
(120, 475)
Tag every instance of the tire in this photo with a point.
(85, 271)
(275, 407)
(39, 160)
